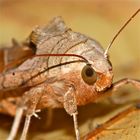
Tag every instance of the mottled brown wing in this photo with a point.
(12, 56)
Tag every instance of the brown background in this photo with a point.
(99, 19)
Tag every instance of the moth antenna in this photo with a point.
(120, 30)
(68, 54)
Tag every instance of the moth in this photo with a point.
(65, 69)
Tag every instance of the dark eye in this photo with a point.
(88, 74)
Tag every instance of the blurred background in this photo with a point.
(99, 19)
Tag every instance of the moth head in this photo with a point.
(88, 74)
(98, 74)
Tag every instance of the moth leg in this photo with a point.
(27, 104)
(26, 125)
(120, 83)
(115, 86)
(16, 123)
(70, 106)
(49, 117)
(76, 128)
(31, 99)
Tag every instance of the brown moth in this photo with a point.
(68, 69)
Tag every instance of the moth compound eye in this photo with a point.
(89, 75)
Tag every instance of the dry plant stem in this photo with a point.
(92, 135)
(16, 124)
